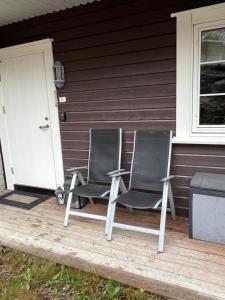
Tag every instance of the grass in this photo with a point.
(26, 277)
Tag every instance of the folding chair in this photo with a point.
(105, 147)
(149, 186)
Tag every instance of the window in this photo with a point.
(209, 78)
(201, 75)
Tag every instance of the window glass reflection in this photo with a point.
(212, 78)
(212, 110)
(213, 45)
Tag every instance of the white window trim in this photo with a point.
(196, 127)
(187, 21)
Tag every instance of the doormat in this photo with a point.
(24, 200)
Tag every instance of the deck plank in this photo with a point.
(188, 269)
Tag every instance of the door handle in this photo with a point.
(44, 127)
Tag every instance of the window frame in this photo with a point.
(188, 75)
(196, 126)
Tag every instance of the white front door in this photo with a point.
(29, 121)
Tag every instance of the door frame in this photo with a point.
(44, 46)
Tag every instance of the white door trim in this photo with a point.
(44, 46)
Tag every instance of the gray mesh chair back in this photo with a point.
(104, 153)
(150, 159)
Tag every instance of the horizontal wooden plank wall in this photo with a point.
(120, 62)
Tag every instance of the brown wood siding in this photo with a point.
(120, 62)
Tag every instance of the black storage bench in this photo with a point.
(207, 207)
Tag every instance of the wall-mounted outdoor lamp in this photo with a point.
(59, 76)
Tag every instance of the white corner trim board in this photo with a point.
(189, 24)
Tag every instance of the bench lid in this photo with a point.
(208, 181)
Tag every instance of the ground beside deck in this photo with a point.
(188, 269)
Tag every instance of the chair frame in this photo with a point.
(76, 175)
(166, 194)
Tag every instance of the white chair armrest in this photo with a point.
(119, 174)
(76, 169)
(115, 171)
(168, 178)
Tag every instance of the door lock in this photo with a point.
(44, 127)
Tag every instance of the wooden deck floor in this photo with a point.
(188, 269)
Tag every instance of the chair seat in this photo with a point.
(91, 190)
(139, 200)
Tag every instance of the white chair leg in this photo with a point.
(111, 221)
(111, 196)
(171, 200)
(69, 200)
(131, 210)
(163, 218)
(107, 218)
(112, 206)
